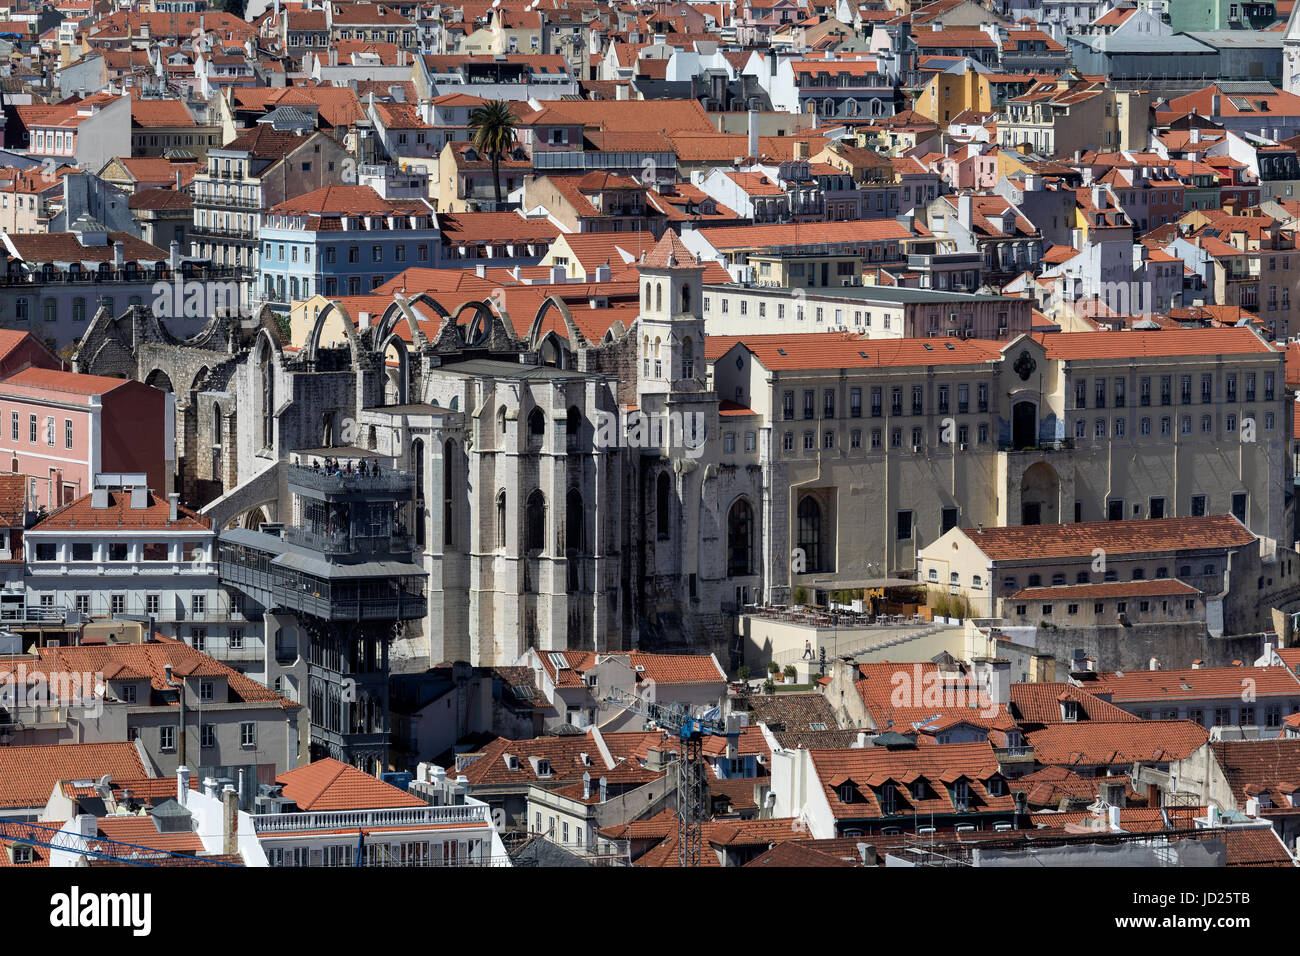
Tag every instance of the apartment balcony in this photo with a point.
(223, 232)
(1014, 755)
(227, 202)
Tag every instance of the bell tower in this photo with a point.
(670, 326)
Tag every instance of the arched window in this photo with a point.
(575, 523)
(663, 505)
(450, 460)
(268, 396)
(501, 518)
(536, 424)
(688, 358)
(686, 298)
(501, 424)
(535, 522)
(417, 458)
(740, 538)
(659, 296)
(810, 533)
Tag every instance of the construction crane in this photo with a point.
(692, 779)
(98, 848)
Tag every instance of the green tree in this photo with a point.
(493, 134)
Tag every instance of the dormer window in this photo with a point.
(996, 787)
(512, 762)
(847, 792)
(961, 794)
(920, 789)
(1069, 710)
(888, 799)
(23, 854)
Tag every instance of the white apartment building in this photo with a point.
(123, 552)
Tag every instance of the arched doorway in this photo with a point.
(1040, 495)
(1024, 425)
(740, 539)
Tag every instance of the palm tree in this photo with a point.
(493, 127)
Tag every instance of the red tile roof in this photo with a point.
(120, 516)
(1104, 743)
(869, 768)
(1166, 342)
(28, 774)
(1040, 703)
(1196, 683)
(328, 784)
(1054, 541)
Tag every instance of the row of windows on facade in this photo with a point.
(1119, 427)
(1098, 607)
(151, 604)
(861, 317)
(946, 433)
(1103, 390)
(830, 397)
(50, 308)
(404, 853)
(207, 733)
(1011, 582)
(330, 253)
(188, 551)
(829, 439)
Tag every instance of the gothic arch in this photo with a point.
(160, 380)
(312, 346)
(403, 371)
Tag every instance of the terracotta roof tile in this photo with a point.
(328, 784)
(1053, 541)
(28, 774)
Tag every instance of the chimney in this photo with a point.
(229, 821)
(1194, 135)
(182, 772)
(604, 790)
(1154, 664)
(867, 851)
(603, 272)
(1197, 664)
(586, 785)
(621, 92)
(752, 128)
(174, 258)
(1214, 105)
(363, 319)
(1113, 817)
(210, 787)
(861, 741)
(480, 270)
(1212, 816)
(557, 274)
(87, 825)
(139, 497)
(1099, 196)
(119, 255)
(965, 210)
(173, 503)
